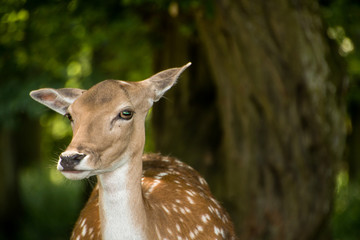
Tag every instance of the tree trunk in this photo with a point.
(17, 152)
(353, 150)
(276, 131)
(9, 195)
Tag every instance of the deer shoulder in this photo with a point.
(189, 206)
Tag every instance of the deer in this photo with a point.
(137, 195)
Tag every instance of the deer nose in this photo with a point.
(69, 161)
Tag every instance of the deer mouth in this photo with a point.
(71, 171)
(75, 174)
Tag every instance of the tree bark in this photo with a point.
(353, 151)
(278, 116)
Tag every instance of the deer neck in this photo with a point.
(122, 211)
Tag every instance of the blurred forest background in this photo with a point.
(269, 112)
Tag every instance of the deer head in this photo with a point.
(107, 121)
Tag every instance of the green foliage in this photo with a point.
(343, 19)
(66, 44)
(346, 220)
(62, 44)
(76, 44)
(51, 204)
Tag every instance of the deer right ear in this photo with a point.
(56, 99)
(159, 83)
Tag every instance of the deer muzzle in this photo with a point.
(68, 160)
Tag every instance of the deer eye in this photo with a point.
(68, 116)
(126, 114)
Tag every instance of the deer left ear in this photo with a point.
(163, 81)
(56, 99)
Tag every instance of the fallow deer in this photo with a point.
(137, 196)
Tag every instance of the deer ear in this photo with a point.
(163, 81)
(56, 99)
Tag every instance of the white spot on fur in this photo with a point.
(163, 174)
(83, 233)
(190, 200)
(182, 210)
(175, 208)
(157, 232)
(153, 186)
(202, 181)
(205, 218)
(218, 213)
(211, 209)
(83, 222)
(166, 210)
(219, 231)
(180, 163)
(190, 192)
(216, 230)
